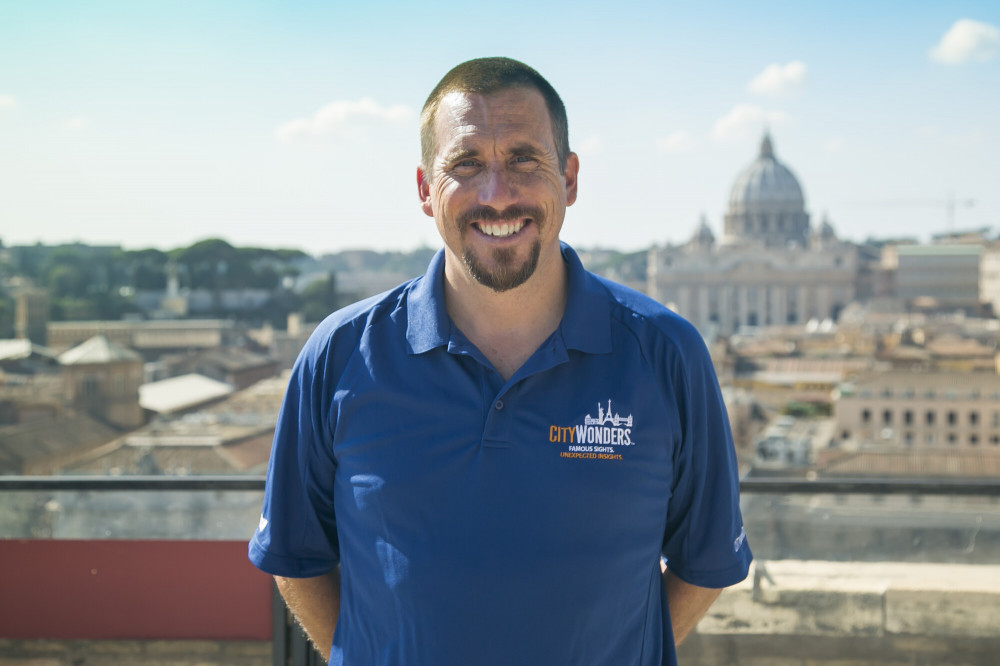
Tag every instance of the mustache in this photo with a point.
(509, 214)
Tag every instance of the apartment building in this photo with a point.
(936, 409)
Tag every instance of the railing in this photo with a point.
(290, 648)
(760, 485)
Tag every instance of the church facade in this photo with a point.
(770, 268)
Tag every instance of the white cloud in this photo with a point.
(339, 115)
(969, 137)
(592, 145)
(967, 40)
(77, 124)
(745, 120)
(676, 143)
(835, 144)
(779, 79)
(7, 101)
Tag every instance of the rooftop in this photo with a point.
(98, 350)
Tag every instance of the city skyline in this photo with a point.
(295, 125)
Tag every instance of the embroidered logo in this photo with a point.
(597, 438)
(738, 543)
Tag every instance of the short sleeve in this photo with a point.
(297, 533)
(704, 541)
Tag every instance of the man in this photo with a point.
(484, 465)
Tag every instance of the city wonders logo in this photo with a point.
(597, 438)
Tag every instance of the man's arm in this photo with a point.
(687, 603)
(315, 602)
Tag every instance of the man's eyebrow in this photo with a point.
(526, 149)
(459, 154)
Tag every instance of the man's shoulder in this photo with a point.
(646, 316)
(353, 320)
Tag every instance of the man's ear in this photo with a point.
(569, 176)
(424, 192)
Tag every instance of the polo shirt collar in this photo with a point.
(427, 322)
(585, 326)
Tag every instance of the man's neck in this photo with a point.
(507, 327)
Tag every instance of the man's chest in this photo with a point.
(584, 448)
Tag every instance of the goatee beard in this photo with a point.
(507, 274)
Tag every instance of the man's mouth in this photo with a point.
(501, 229)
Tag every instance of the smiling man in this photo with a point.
(487, 464)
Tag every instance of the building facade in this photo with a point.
(937, 410)
(770, 267)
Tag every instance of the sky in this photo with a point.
(294, 124)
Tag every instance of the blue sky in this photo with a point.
(294, 124)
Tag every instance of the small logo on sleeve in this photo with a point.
(262, 525)
(599, 437)
(738, 543)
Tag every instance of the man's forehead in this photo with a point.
(461, 113)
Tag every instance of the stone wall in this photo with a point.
(128, 653)
(811, 613)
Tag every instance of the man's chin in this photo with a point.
(503, 270)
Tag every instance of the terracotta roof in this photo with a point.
(14, 350)
(180, 393)
(98, 350)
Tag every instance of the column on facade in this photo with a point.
(807, 302)
(824, 293)
(684, 301)
(742, 303)
(704, 312)
(725, 308)
(779, 303)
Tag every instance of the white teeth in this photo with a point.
(501, 230)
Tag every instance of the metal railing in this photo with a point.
(289, 644)
(753, 485)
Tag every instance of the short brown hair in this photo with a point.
(486, 76)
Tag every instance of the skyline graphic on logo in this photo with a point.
(603, 418)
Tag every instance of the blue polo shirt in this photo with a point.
(482, 521)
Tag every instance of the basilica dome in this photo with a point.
(766, 202)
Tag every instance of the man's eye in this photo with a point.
(466, 164)
(523, 159)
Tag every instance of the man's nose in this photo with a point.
(496, 189)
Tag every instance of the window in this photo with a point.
(908, 417)
(974, 439)
(952, 418)
(952, 438)
(973, 418)
(887, 417)
(929, 417)
(866, 416)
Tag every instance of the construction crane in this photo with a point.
(950, 205)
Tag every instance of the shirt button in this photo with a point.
(498, 405)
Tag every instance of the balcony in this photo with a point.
(103, 570)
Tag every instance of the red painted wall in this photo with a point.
(117, 589)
